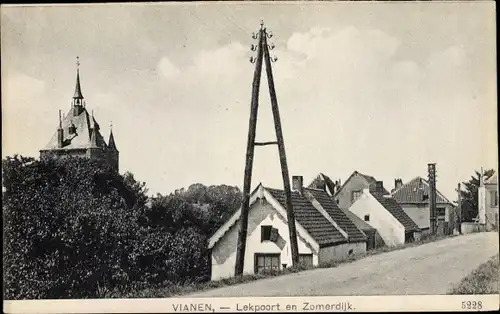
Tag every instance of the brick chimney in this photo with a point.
(377, 187)
(398, 183)
(297, 183)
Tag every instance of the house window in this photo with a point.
(355, 195)
(441, 211)
(494, 198)
(367, 217)
(265, 233)
(266, 262)
(306, 259)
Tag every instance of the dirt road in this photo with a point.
(427, 269)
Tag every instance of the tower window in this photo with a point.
(72, 129)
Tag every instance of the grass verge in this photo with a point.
(168, 289)
(483, 280)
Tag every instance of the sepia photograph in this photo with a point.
(250, 156)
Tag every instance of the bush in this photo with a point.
(483, 280)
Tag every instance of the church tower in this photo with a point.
(78, 134)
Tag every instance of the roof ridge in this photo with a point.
(317, 205)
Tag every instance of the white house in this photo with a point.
(413, 197)
(488, 203)
(384, 214)
(324, 232)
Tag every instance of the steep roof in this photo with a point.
(395, 209)
(331, 207)
(322, 179)
(417, 192)
(81, 139)
(369, 179)
(492, 180)
(310, 218)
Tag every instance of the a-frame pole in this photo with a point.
(242, 234)
(281, 148)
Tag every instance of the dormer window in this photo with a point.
(367, 217)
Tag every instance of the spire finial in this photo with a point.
(261, 24)
(111, 125)
(78, 90)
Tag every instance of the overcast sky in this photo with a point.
(382, 88)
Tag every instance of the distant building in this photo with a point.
(488, 203)
(324, 232)
(352, 188)
(413, 197)
(78, 134)
(383, 213)
(323, 182)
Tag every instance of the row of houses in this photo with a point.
(333, 221)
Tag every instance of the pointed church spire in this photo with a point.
(78, 90)
(111, 142)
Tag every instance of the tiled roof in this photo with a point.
(417, 192)
(395, 209)
(315, 223)
(492, 180)
(372, 181)
(310, 218)
(331, 207)
(81, 139)
(323, 179)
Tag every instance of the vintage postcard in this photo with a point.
(250, 157)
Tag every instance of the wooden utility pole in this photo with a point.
(263, 53)
(432, 198)
(459, 212)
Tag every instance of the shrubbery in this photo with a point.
(74, 228)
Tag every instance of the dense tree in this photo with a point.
(218, 202)
(469, 195)
(69, 226)
(74, 227)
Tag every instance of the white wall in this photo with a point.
(419, 214)
(340, 252)
(389, 228)
(491, 211)
(261, 213)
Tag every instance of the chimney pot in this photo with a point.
(398, 183)
(297, 183)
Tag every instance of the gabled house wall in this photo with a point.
(389, 228)
(420, 213)
(355, 183)
(261, 213)
(488, 203)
